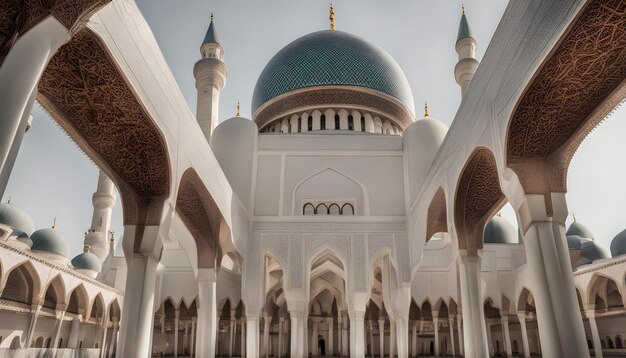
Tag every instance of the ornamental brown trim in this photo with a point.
(17, 17)
(437, 220)
(202, 217)
(478, 197)
(577, 86)
(334, 96)
(88, 96)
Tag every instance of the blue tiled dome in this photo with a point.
(51, 241)
(16, 218)
(500, 231)
(87, 261)
(579, 229)
(331, 58)
(618, 245)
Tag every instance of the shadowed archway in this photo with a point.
(437, 220)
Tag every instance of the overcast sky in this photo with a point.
(52, 177)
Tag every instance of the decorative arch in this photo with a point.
(114, 311)
(427, 310)
(97, 309)
(78, 300)
(203, 219)
(85, 92)
(603, 291)
(437, 220)
(54, 294)
(578, 84)
(478, 197)
(526, 301)
(21, 284)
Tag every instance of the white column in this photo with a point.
(252, 336)
(186, 337)
(475, 331)
(595, 335)
(414, 341)
(381, 338)
(558, 314)
(207, 313)
(192, 345)
(72, 339)
(242, 337)
(392, 338)
(357, 334)
(113, 338)
(280, 336)
(489, 339)
(436, 329)
(314, 339)
(266, 335)
(339, 334)
(103, 340)
(296, 326)
(176, 322)
(331, 346)
(137, 321)
(231, 342)
(451, 324)
(20, 72)
(522, 322)
(506, 336)
(57, 328)
(371, 339)
(33, 323)
(459, 320)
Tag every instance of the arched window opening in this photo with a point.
(310, 123)
(60, 343)
(515, 349)
(618, 342)
(321, 209)
(323, 122)
(350, 122)
(334, 209)
(308, 209)
(20, 286)
(362, 124)
(609, 343)
(347, 209)
(337, 125)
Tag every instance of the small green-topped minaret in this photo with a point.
(466, 49)
(210, 73)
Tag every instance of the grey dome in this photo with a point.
(618, 245)
(575, 242)
(580, 230)
(23, 238)
(87, 261)
(331, 58)
(500, 231)
(50, 240)
(16, 218)
(593, 251)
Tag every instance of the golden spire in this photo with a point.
(54, 223)
(238, 107)
(331, 17)
(425, 109)
(462, 9)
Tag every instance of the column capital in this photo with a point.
(590, 313)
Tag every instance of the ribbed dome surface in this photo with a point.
(331, 58)
(16, 218)
(50, 240)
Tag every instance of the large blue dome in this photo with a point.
(331, 58)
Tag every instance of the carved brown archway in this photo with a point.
(579, 83)
(19, 16)
(203, 219)
(437, 220)
(478, 197)
(89, 97)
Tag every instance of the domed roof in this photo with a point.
(16, 218)
(500, 231)
(50, 240)
(592, 251)
(23, 238)
(331, 58)
(618, 245)
(579, 229)
(87, 261)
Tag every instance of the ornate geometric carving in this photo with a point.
(19, 16)
(339, 244)
(402, 257)
(579, 83)
(358, 258)
(202, 217)
(295, 261)
(342, 96)
(277, 245)
(88, 96)
(478, 196)
(437, 220)
(376, 242)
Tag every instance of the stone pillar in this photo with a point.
(357, 333)
(103, 340)
(252, 336)
(242, 337)
(20, 72)
(36, 308)
(595, 335)
(339, 334)
(113, 338)
(459, 320)
(186, 337)
(57, 328)
(72, 340)
(489, 338)
(192, 345)
(392, 338)
(314, 343)
(176, 322)
(381, 338)
(549, 267)
(436, 329)
(371, 338)
(522, 322)
(137, 321)
(506, 336)
(231, 341)
(414, 341)
(296, 325)
(280, 336)
(331, 346)
(451, 325)
(475, 331)
(266, 335)
(207, 313)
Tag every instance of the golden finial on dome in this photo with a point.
(425, 109)
(331, 17)
(462, 9)
(238, 108)
(54, 223)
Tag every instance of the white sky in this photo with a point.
(53, 178)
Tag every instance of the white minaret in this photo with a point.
(210, 74)
(466, 49)
(103, 201)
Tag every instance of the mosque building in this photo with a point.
(338, 220)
